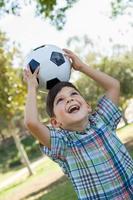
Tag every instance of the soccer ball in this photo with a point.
(54, 66)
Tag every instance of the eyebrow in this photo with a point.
(60, 96)
(57, 97)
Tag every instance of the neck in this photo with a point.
(78, 126)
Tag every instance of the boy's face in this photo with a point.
(70, 109)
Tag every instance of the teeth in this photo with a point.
(73, 108)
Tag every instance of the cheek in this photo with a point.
(59, 111)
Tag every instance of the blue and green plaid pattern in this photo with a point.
(95, 160)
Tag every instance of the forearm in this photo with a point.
(31, 112)
(104, 80)
(31, 119)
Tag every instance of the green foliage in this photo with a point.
(122, 69)
(9, 7)
(12, 90)
(120, 7)
(10, 158)
(54, 10)
(5, 62)
(6, 158)
(89, 89)
(32, 148)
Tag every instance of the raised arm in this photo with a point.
(38, 130)
(110, 84)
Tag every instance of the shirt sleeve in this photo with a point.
(58, 146)
(109, 112)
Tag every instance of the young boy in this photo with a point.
(82, 142)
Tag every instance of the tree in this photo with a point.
(122, 7)
(12, 94)
(54, 10)
(12, 90)
(83, 45)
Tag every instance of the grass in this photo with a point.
(60, 190)
(44, 170)
(127, 130)
(52, 192)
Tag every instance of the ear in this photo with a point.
(55, 123)
(89, 108)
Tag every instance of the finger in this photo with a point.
(24, 72)
(28, 69)
(37, 70)
(24, 77)
(70, 56)
(67, 51)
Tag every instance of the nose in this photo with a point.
(69, 100)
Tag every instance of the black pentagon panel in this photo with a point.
(33, 65)
(57, 58)
(51, 83)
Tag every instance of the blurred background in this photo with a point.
(101, 33)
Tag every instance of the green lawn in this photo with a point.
(128, 131)
(43, 170)
(59, 190)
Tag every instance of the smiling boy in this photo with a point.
(82, 142)
(70, 109)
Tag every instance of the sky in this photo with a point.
(87, 17)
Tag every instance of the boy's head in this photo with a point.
(52, 94)
(66, 107)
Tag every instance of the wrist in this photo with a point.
(31, 87)
(83, 67)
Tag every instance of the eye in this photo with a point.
(74, 93)
(59, 100)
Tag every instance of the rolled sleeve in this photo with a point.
(109, 112)
(58, 146)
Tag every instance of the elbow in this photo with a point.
(114, 86)
(117, 86)
(30, 124)
(27, 124)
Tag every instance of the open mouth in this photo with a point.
(73, 108)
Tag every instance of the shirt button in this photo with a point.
(65, 139)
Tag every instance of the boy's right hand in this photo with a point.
(77, 64)
(29, 78)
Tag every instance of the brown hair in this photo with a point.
(52, 94)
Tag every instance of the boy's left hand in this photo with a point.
(76, 62)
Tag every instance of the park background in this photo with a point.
(101, 33)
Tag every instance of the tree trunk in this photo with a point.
(23, 154)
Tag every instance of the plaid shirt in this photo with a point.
(95, 160)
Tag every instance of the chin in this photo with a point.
(80, 118)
